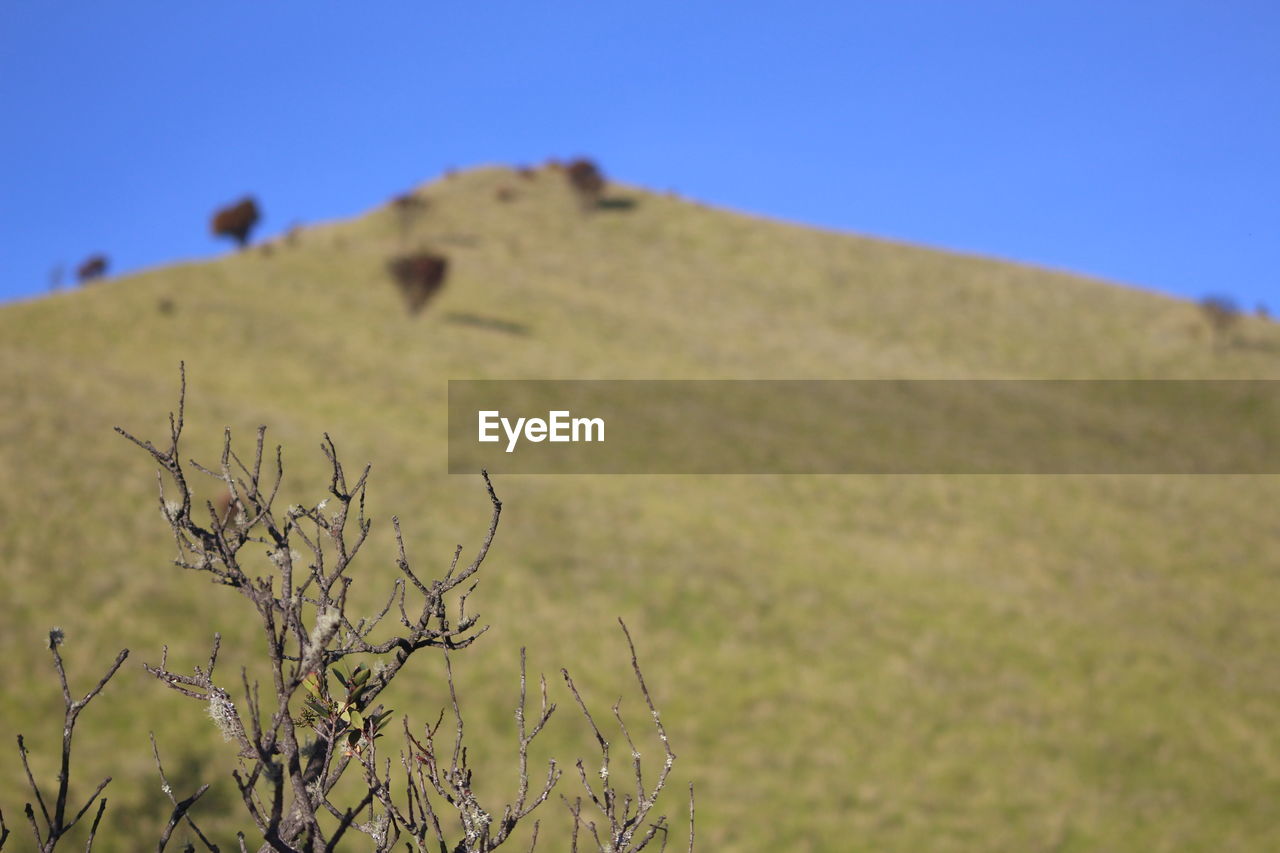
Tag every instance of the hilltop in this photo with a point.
(880, 663)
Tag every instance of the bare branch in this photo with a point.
(180, 809)
(626, 817)
(179, 812)
(692, 815)
(93, 828)
(56, 825)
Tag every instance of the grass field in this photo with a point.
(1030, 663)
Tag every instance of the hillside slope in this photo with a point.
(878, 663)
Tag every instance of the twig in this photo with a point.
(691, 817)
(181, 810)
(625, 817)
(56, 825)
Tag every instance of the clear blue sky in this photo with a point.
(1135, 141)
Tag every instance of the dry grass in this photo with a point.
(941, 663)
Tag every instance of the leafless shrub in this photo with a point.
(236, 221)
(286, 779)
(506, 194)
(419, 276)
(93, 268)
(319, 720)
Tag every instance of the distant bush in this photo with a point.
(409, 201)
(587, 181)
(93, 268)
(419, 276)
(318, 721)
(1223, 315)
(408, 208)
(237, 221)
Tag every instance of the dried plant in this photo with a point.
(624, 829)
(55, 824)
(318, 720)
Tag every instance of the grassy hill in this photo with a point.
(843, 663)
